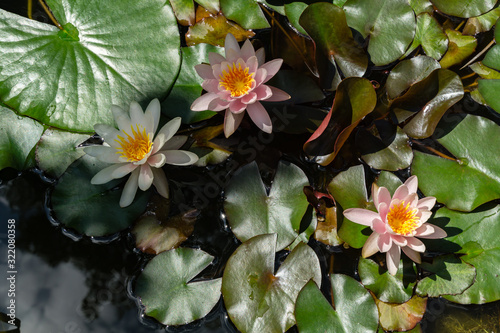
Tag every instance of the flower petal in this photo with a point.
(145, 177)
(378, 226)
(218, 104)
(413, 255)
(130, 189)
(237, 106)
(416, 244)
(167, 131)
(361, 216)
(383, 209)
(152, 114)
(381, 195)
(231, 48)
(175, 142)
(123, 170)
(103, 153)
(261, 56)
(399, 240)
(204, 71)
(272, 67)
(136, 113)
(105, 175)
(122, 118)
(430, 231)
(401, 193)
(412, 184)
(260, 76)
(179, 157)
(384, 242)
(108, 133)
(202, 102)
(259, 116)
(392, 259)
(412, 199)
(252, 63)
(370, 247)
(278, 95)
(426, 203)
(424, 215)
(211, 85)
(263, 92)
(215, 59)
(160, 182)
(247, 50)
(157, 160)
(250, 98)
(231, 122)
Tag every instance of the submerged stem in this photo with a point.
(30, 9)
(49, 13)
(479, 54)
(437, 152)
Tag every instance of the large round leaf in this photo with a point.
(92, 210)
(166, 292)
(110, 52)
(355, 309)
(251, 211)
(474, 177)
(18, 136)
(258, 300)
(390, 24)
(462, 8)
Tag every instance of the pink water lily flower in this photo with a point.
(398, 223)
(132, 150)
(235, 83)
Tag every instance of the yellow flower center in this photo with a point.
(402, 219)
(236, 80)
(134, 147)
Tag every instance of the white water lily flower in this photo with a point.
(133, 151)
(399, 221)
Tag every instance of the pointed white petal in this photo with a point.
(103, 153)
(430, 231)
(136, 113)
(122, 118)
(160, 182)
(106, 174)
(412, 184)
(426, 203)
(392, 258)
(123, 170)
(145, 177)
(416, 244)
(157, 160)
(130, 189)
(260, 117)
(231, 122)
(175, 142)
(153, 112)
(179, 157)
(166, 133)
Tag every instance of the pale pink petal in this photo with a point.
(202, 102)
(263, 92)
(278, 95)
(426, 203)
(272, 67)
(215, 59)
(379, 227)
(231, 122)
(401, 193)
(424, 215)
(130, 189)
(261, 56)
(152, 115)
(260, 76)
(416, 244)
(413, 255)
(361, 216)
(399, 240)
(157, 160)
(384, 242)
(179, 157)
(231, 46)
(218, 105)
(145, 177)
(136, 113)
(103, 153)
(160, 182)
(252, 64)
(250, 98)
(247, 50)
(122, 118)
(381, 195)
(175, 143)
(237, 106)
(412, 184)
(108, 133)
(123, 170)
(392, 259)
(383, 209)
(217, 70)
(259, 116)
(411, 199)
(106, 174)
(430, 231)
(211, 85)
(370, 247)
(205, 71)
(166, 132)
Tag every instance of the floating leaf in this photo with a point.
(251, 211)
(184, 11)
(213, 30)
(213, 6)
(489, 90)
(246, 13)
(386, 287)
(18, 137)
(187, 87)
(421, 6)
(57, 150)
(293, 11)
(464, 9)
(401, 317)
(481, 23)
(327, 26)
(389, 23)
(492, 57)
(473, 178)
(459, 48)
(354, 99)
(166, 292)
(258, 300)
(476, 233)
(355, 309)
(388, 180)
(92, 210)
(484, 72)
(430, 36)
(451, 276)
(129, 51)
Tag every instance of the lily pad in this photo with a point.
(355, 309)
(180, 301)
(18, 137)
(130, 51)
(421, 6)
(460, 8)
(213, 6)
(187, 87)
(57, 150)
(451, 276)
(482, 23)
(92, 210)
(401, 317)
(256, 298)
(252, 211)
(460, 47)
(246, 13)
(484, 72)
(354, 99)
(390, 24)
(184, 11)
(489, 90)
(473, 178)
(430, 36)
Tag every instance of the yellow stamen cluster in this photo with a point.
(401, 218)
(236, 80)
(134, 148)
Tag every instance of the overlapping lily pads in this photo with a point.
(461, 9)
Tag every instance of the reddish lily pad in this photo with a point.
(401, 317)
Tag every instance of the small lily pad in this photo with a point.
(213, 30)
(401, 317)
(430, 36)
(460, 47)
(246, 13)
(461, 9)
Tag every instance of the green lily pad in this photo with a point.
(421, 6)
(401, 317)
(482, 23)
(451, 276)
(259, 300)
(355, 309)
(18, 137)
(460, 8)
(460, 47)
(213, 6)
(386, 287)
(57, 150)
(252, 211)
(430, 36)
(187, 87)
(354, 99)
(484, 72)
(129, 51)
(389, 23)
(246, 13)
(477, 234)
(388, 180)
(166, 292)
(327, 26)
(472, 179)
(89, 209)
(489, 90)
(184, 11)
(293, 11)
